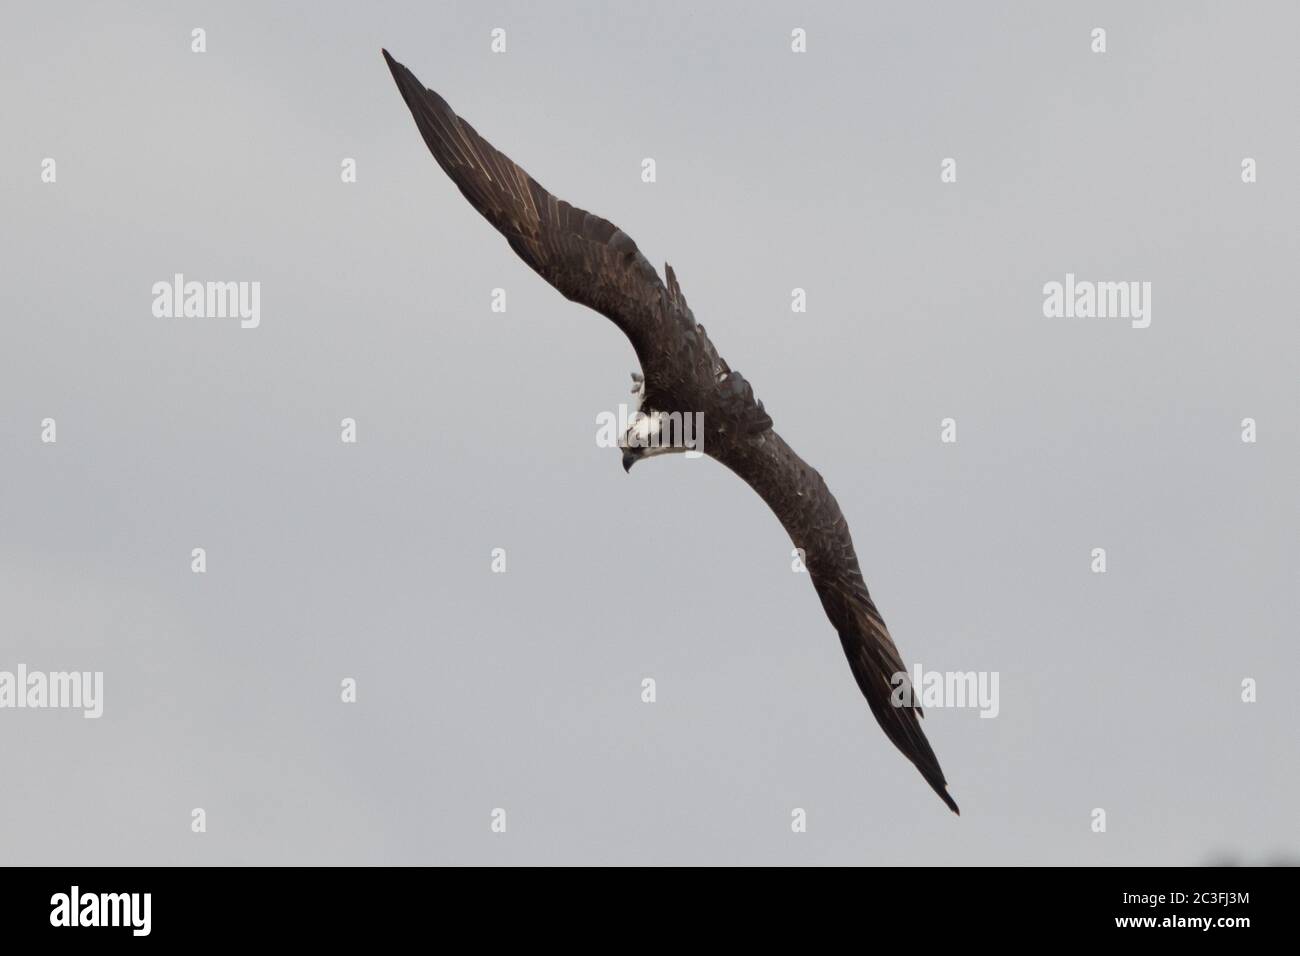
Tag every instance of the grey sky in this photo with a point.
(476, 431)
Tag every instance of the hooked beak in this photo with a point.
(629, 460)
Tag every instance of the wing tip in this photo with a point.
(947, 798)
(405, 79)
(399, 72)
(934, 777)
(418, 97)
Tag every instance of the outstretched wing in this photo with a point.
(812, 518)
(588, 259)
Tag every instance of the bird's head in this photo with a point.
(644, 438)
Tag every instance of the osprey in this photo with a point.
(593, 262)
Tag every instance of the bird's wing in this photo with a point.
(812, 518)
(588, 259)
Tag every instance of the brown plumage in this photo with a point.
(591, 261)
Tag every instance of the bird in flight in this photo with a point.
(593, 262)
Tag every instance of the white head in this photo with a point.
(646, 436)
(651, 433)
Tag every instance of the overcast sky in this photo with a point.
(476, 430)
